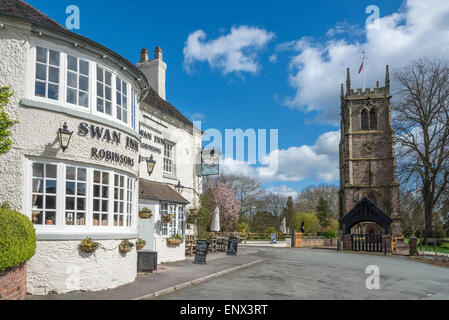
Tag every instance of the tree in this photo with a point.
(324, 213)
(5, 121)
(274, 203)
(289, 213)
(421, 121)
(308, 198)
(229, 206)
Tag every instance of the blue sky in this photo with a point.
(303, 50)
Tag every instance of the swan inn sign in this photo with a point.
(106, 135)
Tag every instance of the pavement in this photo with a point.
(168, 278)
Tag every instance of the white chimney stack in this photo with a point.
(154, 70)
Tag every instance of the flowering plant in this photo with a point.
(175, 239)
(167, 217)
(125, 246)
(140, 244)
(145, 213)
(88, 246)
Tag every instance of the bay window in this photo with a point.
(63, 195)
(176, 226)
(84, 84)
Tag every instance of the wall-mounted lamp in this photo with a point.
(64, 136)
(150, 163)
(179, 188)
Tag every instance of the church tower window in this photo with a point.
(373, 119)
(365, 120)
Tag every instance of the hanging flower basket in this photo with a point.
(191, 220)
(145, 213)
(125, 246)
(88, 246)
(193, 212)
(140, 244)
(175, 240)
(167, 218)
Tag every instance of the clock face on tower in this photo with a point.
(370, 148)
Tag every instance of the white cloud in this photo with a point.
(319, 161)
(420, 29)
(283, 191)
(234, 52)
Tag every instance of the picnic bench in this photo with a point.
(190, 245)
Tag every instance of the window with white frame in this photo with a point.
(104, 91)
(168, 157)
(44, 192)
(75, 196)
(177, 224)
(47, 73)
(68, 78)
(130, 202)
(100, 198)
(77, 81)
(64, 195)
(122, 100)
(119, 200)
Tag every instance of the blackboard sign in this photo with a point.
(202, 248)
(232, 247)
(273, 239)
(146, 261)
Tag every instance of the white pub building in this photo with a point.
(125, 149)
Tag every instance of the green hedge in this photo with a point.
(17, 239)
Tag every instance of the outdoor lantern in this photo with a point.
(179, 188)
(64, 136)
(150, 165)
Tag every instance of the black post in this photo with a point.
(293, 238)
(339, 245)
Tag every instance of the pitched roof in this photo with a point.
(21, 9)
(159, 191)
(154, 100)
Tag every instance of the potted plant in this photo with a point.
(145, 213)
(140, 244)
(166, 217)
(125, 246)
(88, 246)
(175, 240)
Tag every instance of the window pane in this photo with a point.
(108, 78)
(50, 202)
(96, 191)
(54, 75)
(84, 67)
(41, 72)
(125, 89)
(100, 74)
(71, 96)
(84, 83)
(104, 193)
(96, 205)
(41, 54)
(119, 99)
(99, 90)
(84, 99)
(82, 174)
(50, 218)
(54, 58)
(108, 93)
(70, 219)
(51, 171)
(81, 204)
(118, 84)
(53, 91)
(105, 178)
(97, 176)
(40, 89)
(105, 207)
(71, 79)
(125, 116)
(38, 170)
(72, 63)
(109, 108)
(100, 107)
(71, 173)
(51, 187)
(81, 219)
(38, 186)
(70, 203)
(38, 202)
(70, 188)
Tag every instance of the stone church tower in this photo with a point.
(367, 152)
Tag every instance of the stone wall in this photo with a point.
(13, 283)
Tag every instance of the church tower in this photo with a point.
(367, 152)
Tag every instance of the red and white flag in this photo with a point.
(363, 63)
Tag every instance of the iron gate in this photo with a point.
(367, 242)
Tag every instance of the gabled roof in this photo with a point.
(159, 192)
(154, 100)
(366, 210)
(21, 9)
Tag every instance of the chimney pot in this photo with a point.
(144, 55)
(158, 53)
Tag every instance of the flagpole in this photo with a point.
(364, 71)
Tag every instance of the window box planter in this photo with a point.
(175, 241)
(125, 247)
(145, 213)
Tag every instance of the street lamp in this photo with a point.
(150, 163)
(179, 188)
(64, 136)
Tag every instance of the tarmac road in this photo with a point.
(302, 274)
